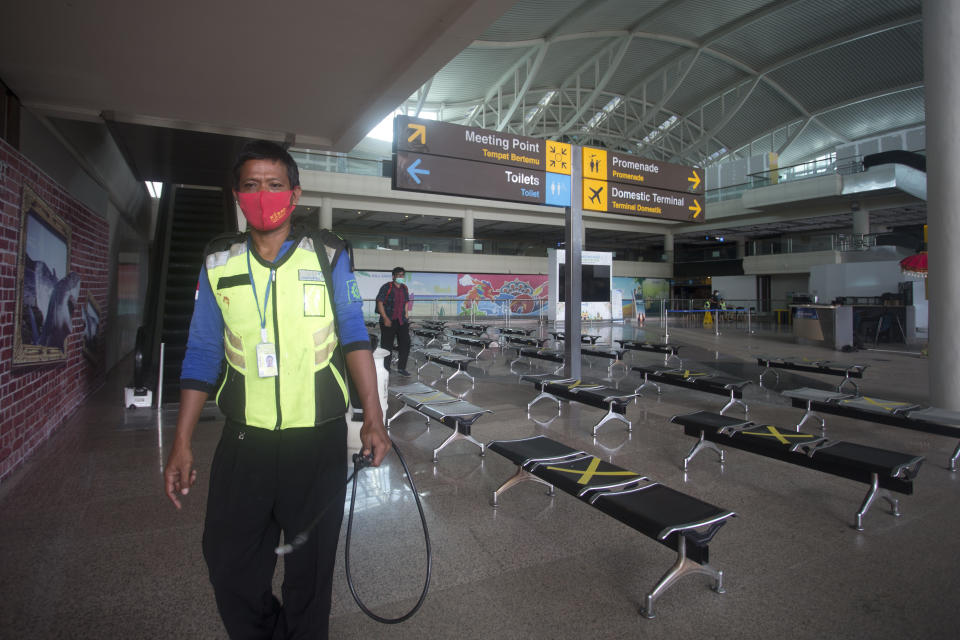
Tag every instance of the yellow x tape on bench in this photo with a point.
(773, 432)
(591, 470)
(886, 405)
(688, 374)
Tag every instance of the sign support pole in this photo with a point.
(573, 285)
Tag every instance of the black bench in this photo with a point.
(882, 469)
(505, 331)
(438, 325)
(890, 412)
(444, 408)
(614, 355)
(473, 342)
(668, 351)
(700, 380)
(443, 358)
(519, 342)
(674, 519)
(479, 328)
(534, 353)
(469, 333)
(828, 367)
(429, 335)
(594, 395)
(585, 338)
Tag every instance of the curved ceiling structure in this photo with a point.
(691, 81)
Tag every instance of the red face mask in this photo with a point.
(266, 210)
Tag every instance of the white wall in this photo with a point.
(830, 281)
(783, 284)
(736, 290)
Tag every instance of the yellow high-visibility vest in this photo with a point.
(299, 320)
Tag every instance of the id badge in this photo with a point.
(266, 360)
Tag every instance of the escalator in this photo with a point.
(188, 218)
(198, 216)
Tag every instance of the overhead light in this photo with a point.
(154, 189)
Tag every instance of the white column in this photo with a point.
(466, 233)
(861, 222)
(941, 50)
(326, 213)
(741, 248)
(668, 246)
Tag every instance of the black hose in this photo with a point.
(426, 539)
(359, 462)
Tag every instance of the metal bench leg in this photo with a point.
(543, 394)
(769, 369)
(611, 415)
(682, 567)
(520, 476)
(875, 492)
(669, 356)
(953, 459)
(456, 435)
(646, 383)
(848, 380)
(733, 402)
(404, 409)
(426, 364)
(703, 443)
(811, 414)
(461, 372)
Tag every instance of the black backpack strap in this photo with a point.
(326, 267)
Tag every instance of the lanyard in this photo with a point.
(266, 299)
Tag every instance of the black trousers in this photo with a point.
(402, 334)
(262, 483)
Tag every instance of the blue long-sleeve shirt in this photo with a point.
(201, 362)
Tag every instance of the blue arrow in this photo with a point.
(413, 171)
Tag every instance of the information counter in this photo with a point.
(823, 325)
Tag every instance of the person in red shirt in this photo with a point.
(392, 302)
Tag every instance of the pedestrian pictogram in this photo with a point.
(594, 164)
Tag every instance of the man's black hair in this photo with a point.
(397, 270)
(266, 150)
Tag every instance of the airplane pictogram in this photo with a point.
(595, 194)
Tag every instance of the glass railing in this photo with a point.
(337, 163)
(465, 310)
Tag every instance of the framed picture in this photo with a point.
(91, 329)
(47, 291)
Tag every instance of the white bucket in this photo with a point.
(383, 381)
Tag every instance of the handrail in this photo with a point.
(147, 346)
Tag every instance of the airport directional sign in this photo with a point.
(453, 176)
(613, 197)
(440, 157)
(483, 145)
(600, 164)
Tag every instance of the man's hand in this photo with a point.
(179, 474)
(374, 439)
(386, 322)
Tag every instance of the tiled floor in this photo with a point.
(90, 547)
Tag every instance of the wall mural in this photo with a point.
(462, 294)
(47, 292)
(641, 296)
(492, 294)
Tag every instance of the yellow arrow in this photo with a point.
(695, 208)
(695, 180)
(418, 130)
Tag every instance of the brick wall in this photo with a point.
(34, 402)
